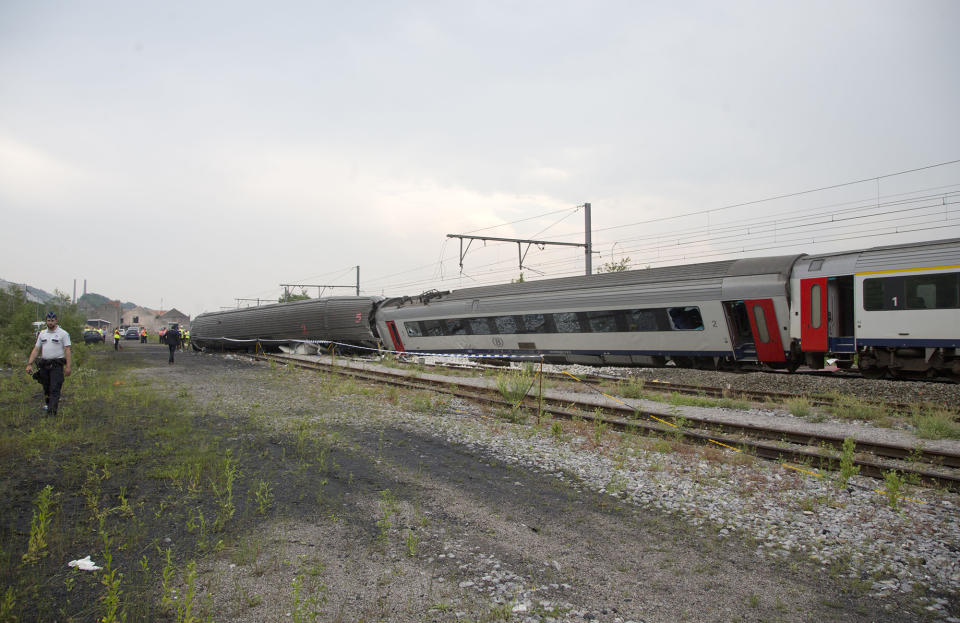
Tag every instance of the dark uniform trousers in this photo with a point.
(51, 378)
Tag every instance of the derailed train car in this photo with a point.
(347, 320)
(893, 311)
(702, 315)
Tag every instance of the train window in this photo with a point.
(939, 291)
(535, 323)
(413, 329)
(505, 324)
(816, 308)
(936, 291)
(455, 326)
(643, 319)
(602, 321)
(480, 326)
(567, 322)
(815, 266)
(873, 294)
(686, 318)
(433, 328)
(763, 334)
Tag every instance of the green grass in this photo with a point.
(122, 466)
(514, 385)
(933, 423)
(849, 407)
(799, 406)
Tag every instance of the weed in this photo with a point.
(847, 468)
(422, 403)
(411, 543)
(186, 605)
(556, 429)
(305, 607)
(514, 415)
(799, 406)
(7, 604)
(37, 544)
(599, 429)
(166, 580)
(893, 481)
(264, 496)
(851, 407)
(388, 506)
(514, 386)
(933, 423)
(223, 491)
(634, 388)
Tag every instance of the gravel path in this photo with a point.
(489, 520)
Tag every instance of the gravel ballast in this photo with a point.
(515, 522)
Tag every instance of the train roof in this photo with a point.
(292, 305)
(921, 245)
(779, 265)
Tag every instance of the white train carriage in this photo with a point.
(703, 315)
(896, 308)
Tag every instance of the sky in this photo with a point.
(189, 154)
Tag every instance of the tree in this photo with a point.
(17, 314)
(616, 267)
(519, 279)
(288, 296)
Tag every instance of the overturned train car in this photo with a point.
(347, 320)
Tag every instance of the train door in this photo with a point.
(766, 330)
(741, 336)
(840, 314)
(813, 315)
(395, 336)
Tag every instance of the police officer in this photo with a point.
(53, 346)
(116, 339)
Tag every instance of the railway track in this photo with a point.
(759, 396)
(812, 450)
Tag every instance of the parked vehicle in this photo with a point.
(132, 333)
(92, 336)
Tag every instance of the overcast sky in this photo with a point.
(185, 154)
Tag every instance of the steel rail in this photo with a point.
(778, 445)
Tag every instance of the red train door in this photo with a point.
(766, 331)
(395, 336)
(813, 315)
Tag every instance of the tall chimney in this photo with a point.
(84, 287)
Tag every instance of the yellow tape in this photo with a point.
(906, 270)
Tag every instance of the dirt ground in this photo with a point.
(386, 523)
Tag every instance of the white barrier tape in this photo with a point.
(376, 350)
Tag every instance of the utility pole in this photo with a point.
(588, 238)
(587, 243)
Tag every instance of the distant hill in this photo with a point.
(92, 299)
(35, 295)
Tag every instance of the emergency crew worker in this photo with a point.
(116, 339)
(143, 335)
(53, 346)
(173, 340)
